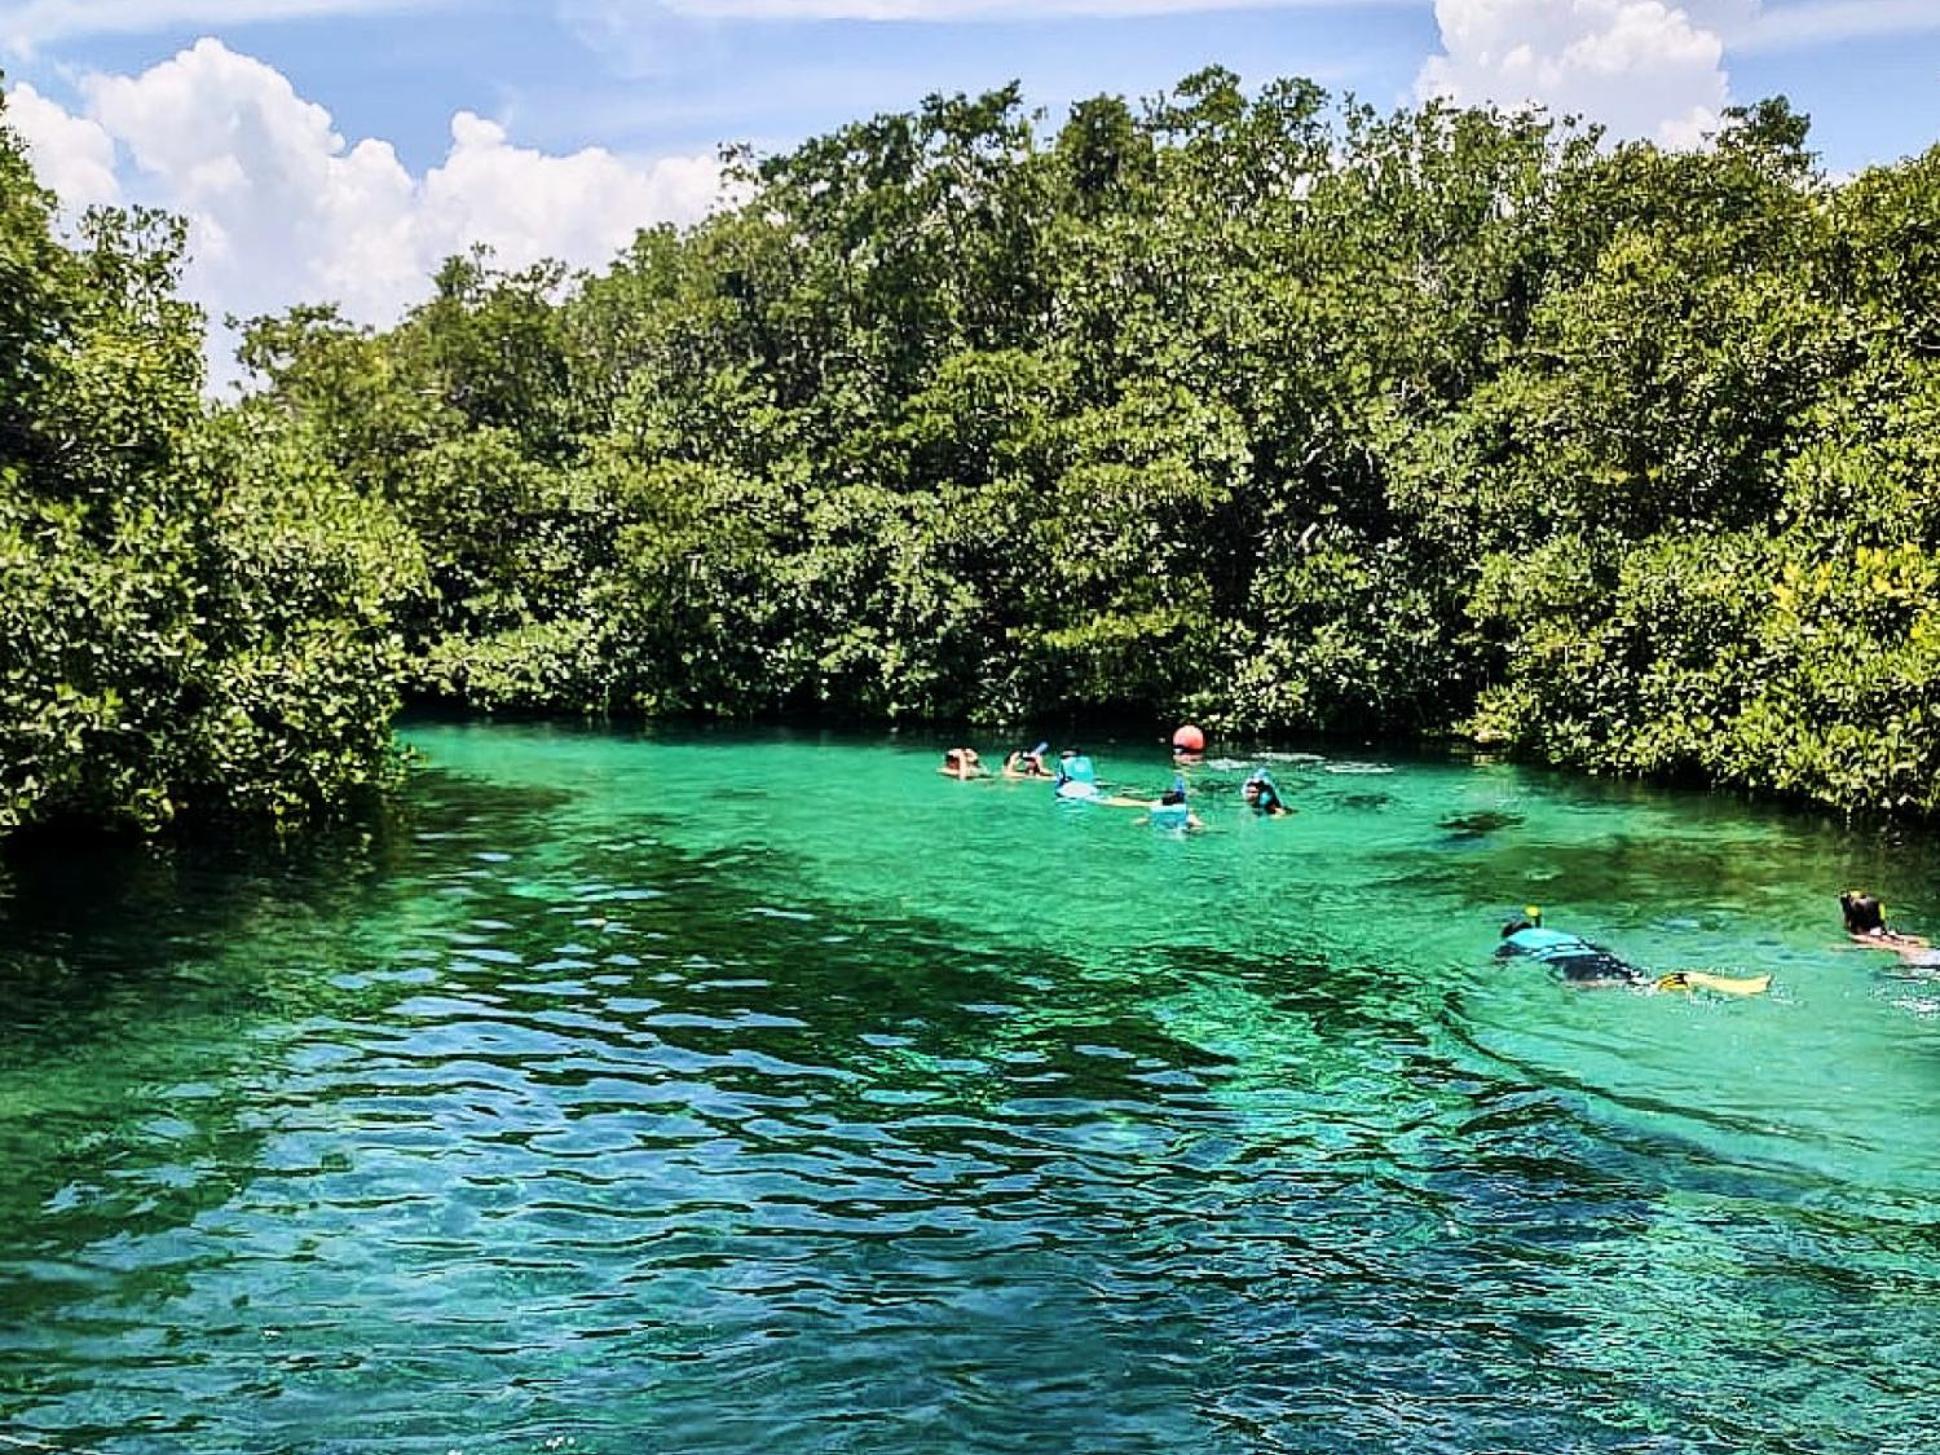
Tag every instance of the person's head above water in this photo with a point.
(1532, 919)
(1261, 792)
(1864, 914)
(1028, 760)
(1174, 795)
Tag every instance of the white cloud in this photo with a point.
(1643, 68)
(71, 154)
(283, 210)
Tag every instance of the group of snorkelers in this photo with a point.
(1581, 963)
(1074, 778)
(1570, 957)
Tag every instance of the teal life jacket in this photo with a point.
(1571, 956)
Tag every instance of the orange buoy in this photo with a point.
(1188, 739)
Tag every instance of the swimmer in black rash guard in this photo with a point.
(1592, 967)
(1866, 927)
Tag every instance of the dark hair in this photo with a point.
(1516, 927)
(1864, 914)
(1172, 796)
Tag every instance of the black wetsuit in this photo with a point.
(1575, 959)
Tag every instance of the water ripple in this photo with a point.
(826, 1175)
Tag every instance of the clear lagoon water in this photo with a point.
(744, 1092)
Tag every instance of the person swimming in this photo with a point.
(1578, 962)
(1022, 764)
(1075, 777)
(1168, 811)
(1570, 956)
(1262, 795)
(1172, 811)
(1866, 926)
(962, 764)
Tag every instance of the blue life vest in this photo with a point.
(1541, 944)
(1077, 778)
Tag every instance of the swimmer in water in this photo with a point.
(1076, 778)
(1172, 810)
(1262, 795)
(1169, 811)
(1866, 927)
(1021, 764)
(1580, 963)
(963, 764)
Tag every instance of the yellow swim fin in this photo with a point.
(1716, 984)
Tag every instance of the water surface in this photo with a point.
(730, 1092)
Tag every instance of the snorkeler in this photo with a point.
(962, 764)
(1262, 795)
(1022, 764)
(1172, 811)
(1169, 811)
(1076, 778)
(1866, 926)
(1592, 967)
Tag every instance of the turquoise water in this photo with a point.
(725, 1093)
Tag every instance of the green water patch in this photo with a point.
(731, 1089)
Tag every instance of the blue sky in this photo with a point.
(336, 148)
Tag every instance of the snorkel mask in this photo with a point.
(1261, 791)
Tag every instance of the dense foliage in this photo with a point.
(196, 613)
(1285, 414)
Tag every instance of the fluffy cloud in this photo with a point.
(72, 155)
(282, 209)
(1643, 68)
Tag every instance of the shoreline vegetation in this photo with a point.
(1257, 408)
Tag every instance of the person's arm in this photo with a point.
(1881, 940)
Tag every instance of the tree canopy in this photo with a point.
(197, 611)
(1244, 403)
